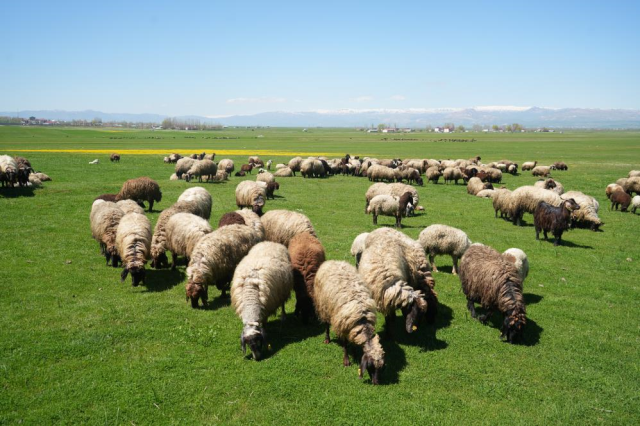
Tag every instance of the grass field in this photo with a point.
(76, 346)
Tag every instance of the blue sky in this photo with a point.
(220, 58)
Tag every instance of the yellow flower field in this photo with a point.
(230, 152)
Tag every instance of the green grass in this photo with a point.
(76, 346)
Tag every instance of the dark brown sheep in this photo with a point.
(271, 187)
(107, 197)
(620, 198)
(547, 218)
(115, 158)
(141, 189)
(559, 165)
(487, 278)
(240, 173)
(247, 168)
(406, 207)
(231, 218)
(307, 254)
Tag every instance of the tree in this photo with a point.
(429, 128)
(461, 128)
(495, 128)
(450, 126)
(517, 127)
(381, 126)
(509, 128)
(477, 128)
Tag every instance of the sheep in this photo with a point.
(211, 156)
(283, 172)
(202, 168)
(588, 212)
(264, 176)
(129, 206)
(307, 254)
(632, 185)
(183, 165)
(133, 239)
(280, 226)
(635, 203)
(269, 163)
(433, 174)
(541, 171)
(200, 200)
(501, 200)
(519, 260)
(34, 182)
(183, 231)
(141, 189)
(271, 187)
(634, 173)
(281, 166)
(475, 185)
(611, 188)
(246, 168)
(227, 165)
(261, 284)
(622, 199)
(452, 174)
(559, 165)
(493, 175)
(256, 161)
(344, 303)
(387, 205)
(166, 160)
(96, 161)
(240, 173)
(358, 245)
(487, 278)
(526, 199)
(622, 181)
(420, 165)
(220, 176)
(8, 170)
(529, 165)
(443, 239)
(115, 158)
(174, 177)
(43, 177)
(378, 172)
(252, 195)
(214, 258)
(295, 164)
(486, 193)
(410, 174)
(231, 218)
(105, 218)
(548, 218)
(394, 189)
(312, 168)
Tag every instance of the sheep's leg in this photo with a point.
(327, 338)
(483, 318)
(345, 358)
(150, 206)
(556, 241)
(537, 233)
(375, 219)
(174, 261)
(455, 265)
(472, 308)
(545, 235)
(283, 315)
(433, 262)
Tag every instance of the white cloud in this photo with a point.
(271, 100)
(363, 98)
(398, 98)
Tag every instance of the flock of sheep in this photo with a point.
(19, 171)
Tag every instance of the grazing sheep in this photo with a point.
(611, 188)
(475, 185)
(256, 161)
(307, 254)
(420, 165)
(220, 176)
(312, 168)
(544, 171)
(271, 187)
(262, 283)
(394, 189)
(133, 239)
(622, 181)
(344, 303)
(211, 156)
(632, 185)
(200, 200)
(105, 218)
(634, 173)
(202, 168)
(108, 197)
(283, 172)
(526, 199)
(183, 231)
(452, 174)
(410, 174)
(433, 174)
(502, 202)
(252, 195)
(387, 205)
(166, 160)
(214, 258)
(8, 170)
(548, 218)
(635, 203)
(115, 158)
(588, 212)
(183, 165)
(129, 206)
(280, 226)
(358, 245)
(622, 199)
(519, 260)
(487, 278)
(246, 168)
(173, 158)
(43, 177)
(96, 161)
(295, 164)
(379, 172)
(559, 165)
(226, 165)
(529, 165)
(141, 189)
(264, 176)
(443, 239)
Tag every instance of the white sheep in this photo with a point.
(264, 176)
(378, 172)
(385, 205)
(201, 201)
(519, 259)
(96, 161)
(635, 203)
(227, 165)
(183, 165)
(104, 218)
(262, 283)
(202, 168)
(283, 172)
(541, 171)
(452, 174)
(526, 199)
(343, 302)
(280, 226)
(588, 212)
(252, 195)
(294, 164)
(395, 189)
(443, 239)
(529, 165)
(358, 245)
(486, 193)
(133, 239)
(129, 206)
(183, 231)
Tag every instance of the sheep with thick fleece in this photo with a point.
(280, 226)
(307, 254)
(201, 201)
(253, 221)
(283, 172)
(227, 165)
(312, 168)
(443, 239)
(529, 165)
(502, 202)
(183, 165)
(486, 193)
(526, 199)
(394, 189)
(141, 189)
(379, 173)
(43, 177)
(220, 176)
(105, 217)
(264, 176)
(129, 206)
(184, 230)
(475, 185)
(611, 188)
(262, 283)
(541, 171)
(8, 170)
(588, 212)
(635, 203)
(133, 239)
(252, 195)
(452, 174)
(385, 205)
(489, 279)
(632, 185)
(202, 168)
(214, 258)
(358, 245)
(294, 164)
(433, 174)
(344, 303)
(519, 259)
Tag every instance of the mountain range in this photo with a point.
(415, 117)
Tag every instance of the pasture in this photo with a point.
(77, 346)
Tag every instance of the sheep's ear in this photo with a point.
(124, 274)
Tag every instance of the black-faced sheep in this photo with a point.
(307, 254)
(227, 165)
(487, 278)
(443, 239)
(344, 303)
(183, 231)
(133, 239)
(271, 187)
(262, 283)
(115, 158)
(559, 165)
(548, 218)
(621, 199)
(252, 195)
(141, 189)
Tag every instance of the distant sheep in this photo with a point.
(183, 165)
(133, 239)
(141, 189)
(543, 171)
(115, 158)
(519, 259)
(183, 231)
(559, 165)
(394, 189)
(295, 164)
(634, 173)
(307, 254)
(529, 165)
(443, 239)
(227, 165)
(452, 174)
(280, 226)
(433, 174)
(202, 168)
(632, 185)
(312, 168)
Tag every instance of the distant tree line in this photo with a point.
(188, 124)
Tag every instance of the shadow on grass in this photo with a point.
(290, 331)
(425, 336)
(565, 243)
(163, 279)
(532, 331)
(218, 302)
(17, 191)
(531, 299)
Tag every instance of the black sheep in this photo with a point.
(547, 218)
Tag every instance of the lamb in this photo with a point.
(344, 303)
(635, 203)
(133, 239)
(634, 173)
(527, 198)
(214, 258)
(622, 199)
(252, 195)
(452, 174)
(141, 189)
(269, 163)
(312, 168)
(475, 185)
(271, 187)
(220, 176)
(632, 185)
(502, 202)
(183, 165)
(433, 174)
(486, 193)
(358, 245)
(519, 260)
(262, 283)
(443, 239)
(611, 188)
(541, 171)
(202, 168)
(280, 226)
(529, 165)
(227, 165)
(588, 212)
(129, 206)
(183, 231)
(307, 254)
(548, 218)
(394, 189)
(387, 205)
(200, 200)
(115, 158)
(487, 278)
(264, 176)
(295, 164)
(105, 218)
(283, 172)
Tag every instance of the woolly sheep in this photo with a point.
(526, 199)
(394, 189)
(307, 254)
(529, 165)
(486, 193)
(519, 260)
(281, 166)
(220, 176)
(611, 188)
(104, 218)
(264, 176)
(378, 173)
(283, 172)
(502, 202)
(634, 173)
(202, 168)
(271, 188)
(141, 189)
(133, 239)
(632, 185)
(452, 174)
(622, 181)
(312, 168)
(475, 185)
(280, 226)
(387, 205)
(200, 199)
(214, 258)
(420, 165)
(620, 199)
(183, 231)
(358, 245)
(231, 218)
(252, 195)
(541, 171)
(174, 177)
(635, 203)
(443, 239)
(129, 206)
(43, 177)
(548, 218)
(487, 278)
(294, 164)
(588, 212)
(34, 181)
(227, 165)
(183, 165)
(8, 170)
(344, 303)
(262, 283)
(433, 174)
(256, 161)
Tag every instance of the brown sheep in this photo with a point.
(622, 199)
(559, 165)
(231, 218)
(141, 189)
(548, 218)
(271, 187)
(246, 168)
(307, 254)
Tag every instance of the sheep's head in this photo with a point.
(571, 205)
(196, 292)
(487, 185)
(137, 274)
(254, 336)
(372, 360)
(419, 181)
(258, 204)
(187, 176)
(159, 197)
(414, 312)
(513, 326)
